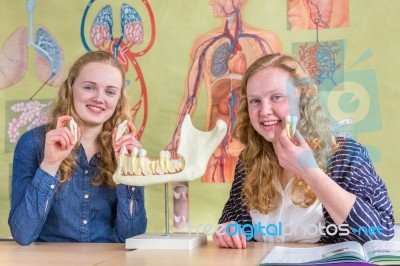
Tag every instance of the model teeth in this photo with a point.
(74, 129)
(290, 125)
(138, 164)
(121, 130)
(195, 149)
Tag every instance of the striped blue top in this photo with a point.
(352, 169)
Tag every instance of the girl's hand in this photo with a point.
(224, 240)
(295, 156)
(59, 143)
(127, 140)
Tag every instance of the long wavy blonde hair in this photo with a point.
(258, 156)
(65, 106)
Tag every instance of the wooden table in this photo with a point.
(204, 255)
(74, 254)
(77, 254)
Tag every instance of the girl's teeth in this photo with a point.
(270, 123)
(94, 108)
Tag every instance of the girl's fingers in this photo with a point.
(234, 237)
(114, 135)
(279, 148)
(223, 242)
(130, 147)
(66, 139)
(228, 239)
(128, 140)
(62, 136)
(117, 149)
(63, 143)
(237, 241)
(62, 119)
(216, 240)
(132, 129)
(299, 137)
(284, 139)
(243, 240)
(67, 135)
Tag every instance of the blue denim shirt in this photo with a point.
(78, 211)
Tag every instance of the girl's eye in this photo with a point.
(89, 88)
(111, 92)
(254, 101)
(276, 98)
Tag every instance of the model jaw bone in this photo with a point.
(194, 150)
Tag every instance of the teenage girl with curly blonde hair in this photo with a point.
(291, 184)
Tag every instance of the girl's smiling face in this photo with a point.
(96, 92)
(271, 96)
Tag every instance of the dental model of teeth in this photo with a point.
(290, 125)
(138, 164)
(194, 150)
(74, 129)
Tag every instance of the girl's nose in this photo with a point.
(266, 109)
(98, 97)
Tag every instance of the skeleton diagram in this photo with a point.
(219, 58)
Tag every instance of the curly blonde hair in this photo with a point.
(258, 156)
(65, 106)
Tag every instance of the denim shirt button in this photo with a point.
(133, 189)
(52, 186)
(86, 172)
(84, 222)
(86, 196)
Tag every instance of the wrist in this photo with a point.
(310, 173)
(50, 168)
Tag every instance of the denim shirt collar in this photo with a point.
(81, 158)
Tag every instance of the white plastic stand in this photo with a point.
(160, 241)
(167, 240)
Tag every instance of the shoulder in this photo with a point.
(30, 146)
(240, 171)
(351, 151)
(352, 166)
(240, 174)
(33, 136)
(349, 145)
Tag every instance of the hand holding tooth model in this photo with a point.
(195, 149)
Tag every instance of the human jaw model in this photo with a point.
(194, 150)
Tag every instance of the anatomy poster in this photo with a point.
(317, 14)
(188, 57)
